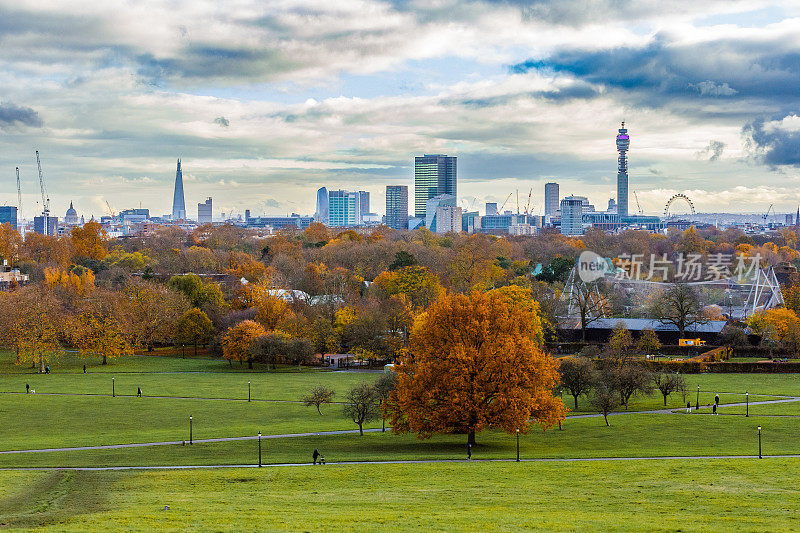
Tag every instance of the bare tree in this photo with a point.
(362, 405)
(317, 396)
(632, 378)
(384, 388)
(587, 300)
(604, 397)
(679, 306)
(577, 376)
(667, 383)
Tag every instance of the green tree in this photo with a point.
(362, 405)
(194, 327)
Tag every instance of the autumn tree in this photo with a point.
(577, 376)
(416, 283)
(362, 405)
(194, 327)
(777, 327)
(318, 396)
(90, 241)
(237, 341)
(10, 243)
(604, 397)
(35, 332)
(476, 362)
(621, 341)
(648, 342)
(150, 312)
(588, 302)
(103, 336)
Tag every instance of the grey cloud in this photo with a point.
(664, 69)
(13, 115)
(774, 147)
(709, 88)
(222, 121)
(713, 151)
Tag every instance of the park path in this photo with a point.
(780, 399)
(412, 462)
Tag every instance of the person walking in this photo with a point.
(469, 452)
(716, 399)
(139, 392)
(315, 455)
(27, 388)
(688, 407)
(84, 369)
(714, 409)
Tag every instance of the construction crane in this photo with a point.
(110, 211)
(637, 203)
(765, 216)
(500, 211)
(45, 198)
(528, 205)
(19, 198)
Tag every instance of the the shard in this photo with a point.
(178, 203)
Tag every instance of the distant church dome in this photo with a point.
(71, 217)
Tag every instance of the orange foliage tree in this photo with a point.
(10, 243)
(476, 362)
(416, 283)
(90, 241)
(237, 340)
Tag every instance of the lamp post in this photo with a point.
(259, 449)
(697, 404)
(113, 389)
(190, 429)
(517, 444)
(747, 404)
(248, 391)
(759, 442)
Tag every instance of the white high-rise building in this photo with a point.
(572, 216)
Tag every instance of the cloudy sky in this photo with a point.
(264, 101)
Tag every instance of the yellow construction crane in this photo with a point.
(500, 211)
(110, 211)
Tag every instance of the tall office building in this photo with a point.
(363, 205)
(397, 206)
(46, 225)
(491, 208)
(343, 208)
(204, 213)
(551, 199)
(8, 215)
(321, 215)
(178, 203)
(433, 175)
(623, 142)
(572, 215)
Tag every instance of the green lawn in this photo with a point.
(708, 495)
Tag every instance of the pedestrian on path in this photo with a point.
(315, 455)
(84, 369)
(688, 407)
(469, 452)
(716, 399)
(714, 409)
(27, 388)
(139, 392)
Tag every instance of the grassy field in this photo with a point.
(71, 409)
(706, 495)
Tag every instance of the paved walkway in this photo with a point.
(352, 431)
(416, 461)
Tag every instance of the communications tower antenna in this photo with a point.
(19, 198)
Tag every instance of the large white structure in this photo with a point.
(432, 207)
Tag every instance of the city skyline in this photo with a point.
(264, 106)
